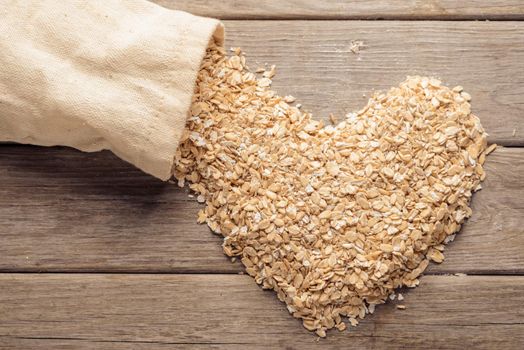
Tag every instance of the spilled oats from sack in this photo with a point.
(333, 218)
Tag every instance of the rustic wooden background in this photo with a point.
(96, 255)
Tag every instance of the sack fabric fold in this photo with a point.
(100, 74)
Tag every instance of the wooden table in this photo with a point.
(96, 255)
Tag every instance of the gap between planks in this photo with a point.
(152, 272)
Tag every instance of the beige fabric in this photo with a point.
(100, 74)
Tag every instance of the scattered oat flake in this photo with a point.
(401, 307)
(289, 99)
(491, 148)
(264, 82)
(270, 73)
(356, 46)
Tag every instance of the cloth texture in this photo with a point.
(100, 74)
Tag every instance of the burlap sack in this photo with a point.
(100, 74)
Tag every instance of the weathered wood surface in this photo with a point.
(63, 210)
(230, 311)
(66, 211)
(315, 64)
(353, 9)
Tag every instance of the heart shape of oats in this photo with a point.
(333, 218)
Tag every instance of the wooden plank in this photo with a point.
(355, 9)
(13, 343)
(315, 63)
(230, 311)
(63, 210)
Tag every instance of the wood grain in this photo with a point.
(63, 210)
(230, 311)
(315, 64)
(353, 9)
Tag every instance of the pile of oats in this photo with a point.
(333, 218)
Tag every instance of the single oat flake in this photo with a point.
(333, 218)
